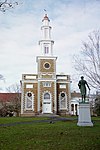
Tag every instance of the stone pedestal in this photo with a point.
(84, 118)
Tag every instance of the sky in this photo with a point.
(20, 31)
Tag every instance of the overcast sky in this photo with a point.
(20, 31)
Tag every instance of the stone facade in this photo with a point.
(59, 90)
(63, 86)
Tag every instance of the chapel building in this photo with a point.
(45, 92)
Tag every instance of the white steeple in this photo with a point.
(46, 42)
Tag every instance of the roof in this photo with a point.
(7, 97)
(75, 94)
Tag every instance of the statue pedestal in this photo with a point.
(84, 118)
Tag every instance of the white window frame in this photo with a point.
(62, 86)
(32, 100)
(60, 108)
(29, 86)
(46, 84)
(30, 77)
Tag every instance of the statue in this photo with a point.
(82, 86)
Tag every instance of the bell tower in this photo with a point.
(46, 66)
(46, 42)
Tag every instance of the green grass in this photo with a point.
(65, 135)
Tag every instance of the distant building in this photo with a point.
(9, 99)
(45, 92)
(75, 97)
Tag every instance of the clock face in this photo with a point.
(46, 65)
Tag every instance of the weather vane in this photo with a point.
(45, 10)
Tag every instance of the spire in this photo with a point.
(46, 18)
(46, 43)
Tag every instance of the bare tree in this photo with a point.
(16, 101)
(6, 4)
(14, 88)
(97, 104)
(88, 63)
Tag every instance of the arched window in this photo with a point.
(29, 101)
(46, 49)
(46, 96)
(63, 100)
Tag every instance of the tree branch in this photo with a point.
(89, 61)
(5, 5)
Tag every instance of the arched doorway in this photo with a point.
(46, 102)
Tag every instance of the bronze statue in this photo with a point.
(82, 86)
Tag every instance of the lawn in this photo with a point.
(61, 135)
